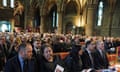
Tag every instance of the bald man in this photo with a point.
(22, 60)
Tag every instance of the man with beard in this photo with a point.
(23, 62)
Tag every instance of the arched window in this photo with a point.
(100, 13)
(12, 3)
(71, 8)
(5, 3)
(5, 26)
(54, 17)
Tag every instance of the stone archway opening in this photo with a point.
(69, 28)
(52, 19)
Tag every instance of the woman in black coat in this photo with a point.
(50, 62)
(73, 60)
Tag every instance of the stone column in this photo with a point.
(42, 23)
(0, 3)
(25, 14)
(59, 28)
(12, 21)
(112, 6)
(91, 16)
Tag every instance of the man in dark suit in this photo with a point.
(2, 59)
(87, 56)
(17, 63)
(3, 52)
(36, 47)
(101, 60)
(37, 50)
(4, 45)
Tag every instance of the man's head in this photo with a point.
(47, 52)
(37, 44)
(90, 45)
(100, 45)
(25, 50)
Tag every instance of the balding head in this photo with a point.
(25, 50)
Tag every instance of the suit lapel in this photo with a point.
(89, 60)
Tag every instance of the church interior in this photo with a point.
(86, 17)
(77, 17)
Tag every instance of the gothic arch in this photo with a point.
(69, 27)
(34, 3)
(47, 9)
(71, 8)
(47, 5)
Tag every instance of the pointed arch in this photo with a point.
(71, 8)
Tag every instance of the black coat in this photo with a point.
(46, 66)
(73, 65)
(100, 62)
(87, 63)
(2, 59)
(37, 58)
(13, 65)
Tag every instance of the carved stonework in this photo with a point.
(80, 11)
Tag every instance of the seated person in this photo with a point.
(87, 56)
(23, 61)
(101, 61)
(73, 60)
(49, 62)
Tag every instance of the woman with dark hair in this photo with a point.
(50, 62)
(73, 60)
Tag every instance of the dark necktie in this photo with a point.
(103, 54)
(91, 58)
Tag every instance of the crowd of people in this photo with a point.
(34, 52)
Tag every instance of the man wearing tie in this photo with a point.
(101, 61)
(87, 56)
(17, 63)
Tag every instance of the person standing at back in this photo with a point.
(22, 61)
(73, 61)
